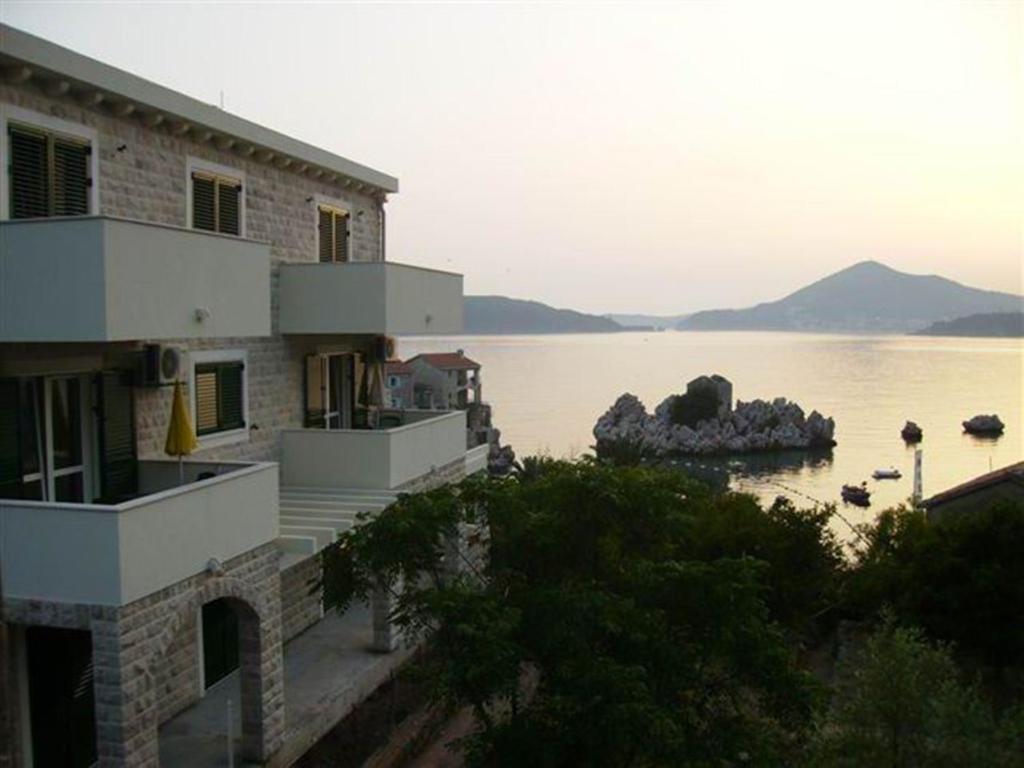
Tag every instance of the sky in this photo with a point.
(659, 158)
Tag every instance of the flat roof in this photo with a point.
(81, 73)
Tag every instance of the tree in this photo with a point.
(641, 646)
(899, 703)
(961, 579)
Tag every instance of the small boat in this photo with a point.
(887, 474)
(857, 494)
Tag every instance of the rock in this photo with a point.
(911, 433)
(984, 425)
(757, 425)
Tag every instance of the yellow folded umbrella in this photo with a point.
(181, 438)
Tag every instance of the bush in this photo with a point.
(694, 407)
(961, 579)
(899, 703)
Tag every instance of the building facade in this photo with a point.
(146, 239)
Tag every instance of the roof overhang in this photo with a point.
(24, 57)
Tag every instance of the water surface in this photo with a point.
(547, 392)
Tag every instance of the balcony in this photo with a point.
(375, 297)
(98, 278)
(114, 554)
(380, 459)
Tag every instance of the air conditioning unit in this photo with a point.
(161, 365)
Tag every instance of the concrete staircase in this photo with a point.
(312, 518)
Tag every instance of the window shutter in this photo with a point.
(119, 479)
(70, 178)
(229, 210)
(341, 237)
(206, 400)
(29, 174)
(232, 414)
(204, 213)
(326, 226)
(10, 458)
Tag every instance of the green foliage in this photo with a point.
(961, 578)
(899, 703)
(646, 646)
(620, 453)
(695, 406)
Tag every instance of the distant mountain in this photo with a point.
(867, 297)
(646, 321)
(1007, 324)
(499, 314)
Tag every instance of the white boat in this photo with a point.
(887, 474)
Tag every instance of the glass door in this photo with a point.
(53, 430)
(330, 391)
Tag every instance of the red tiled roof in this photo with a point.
(1014, 473)
(447, 361)
(397, 367)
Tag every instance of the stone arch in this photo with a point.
(257, 648)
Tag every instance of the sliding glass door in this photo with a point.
(53, 438)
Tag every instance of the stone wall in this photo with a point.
(139, 653)
(300, 598)
(142, 175)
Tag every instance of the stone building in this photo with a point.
(445, 380)
(147, 238)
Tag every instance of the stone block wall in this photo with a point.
(301, 600)
(142, 175)
(138, 651)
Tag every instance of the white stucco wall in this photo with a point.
(363, 458)
(112, 555)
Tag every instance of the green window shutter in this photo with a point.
(341, 237)
(204, 203)
(325, 224)
(220, 397)
(229, 214)
(10, 457)
(70, 178)
(119, 479)
(29, 174)
(230, 391)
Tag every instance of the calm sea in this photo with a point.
(547, 392)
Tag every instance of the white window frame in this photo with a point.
(230, 437)
(193, 164)
(331, 202)
(12, 114)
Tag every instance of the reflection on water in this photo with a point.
(547, 392)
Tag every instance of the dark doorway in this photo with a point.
(220, 641)
(61, 705)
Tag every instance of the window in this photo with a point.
(219, 396)
(216, 203)
(332, 231)
(49, 173)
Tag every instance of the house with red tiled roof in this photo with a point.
(1002, 484)
(444, 380)
(398, 384)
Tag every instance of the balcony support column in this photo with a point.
(385, 633)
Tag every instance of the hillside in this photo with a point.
(646, 321)
(867, 297)
(499, 314)
(1004, 324)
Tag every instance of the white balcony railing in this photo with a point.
(114, 554)
(373, 458)
(97, 278)
(375, 297)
